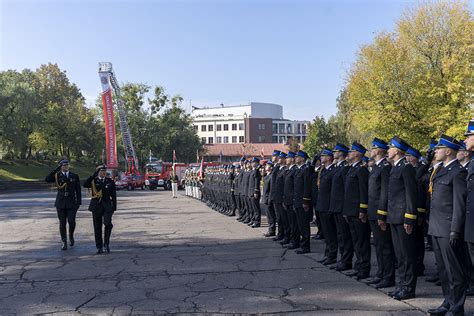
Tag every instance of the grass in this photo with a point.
(27, 170)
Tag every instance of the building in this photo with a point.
(233, 152)
(255, 122)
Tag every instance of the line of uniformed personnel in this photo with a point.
(396, 196)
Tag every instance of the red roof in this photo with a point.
(236, 150)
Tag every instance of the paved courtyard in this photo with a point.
(172, 256)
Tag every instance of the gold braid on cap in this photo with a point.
(95, 194)
(62, 186)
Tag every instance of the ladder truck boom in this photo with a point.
(106, 72)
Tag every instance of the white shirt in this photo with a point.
(379, 161)
(356, 163)
(329, 166)
(66, 174)
(450, 162)
(396, 162)
(339, 163)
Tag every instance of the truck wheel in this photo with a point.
(129, 187)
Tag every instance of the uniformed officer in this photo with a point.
(103, 205)
(356, 201)
(68, 199)
(447, 221)
(328, 223)
(402, 215)
(276, 195)
(254, 193)
(302, 200)
(378, 199)
(270, 211)
(469, 229)
(464, 156)
(288, 192)
(272, 215)
(346, 248)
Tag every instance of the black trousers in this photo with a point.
(271, 217)
(420, 248)
(101, 217)
(66, 215)
(405, 251)
(384, 252)
(471, 256)
(283, 224)
(294, 230)
(345, 240)
(256, 210)
(454, 272)
(360, 233)
(304, 219)
(328, 225)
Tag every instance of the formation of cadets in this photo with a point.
(393, 195)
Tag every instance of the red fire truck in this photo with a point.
(157, 174)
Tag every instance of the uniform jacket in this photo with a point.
(108, 199)
(302, 186)
(324, 189)
(280, 184)
(469, 229)
(288, 189)
(448, 201)
(337, 187)
(245, 182)
(402, 193)
(273, 180)
(70, 196)
(254, 182)
(378, 189)
(356, 196)
(266, 188)
(421, 193)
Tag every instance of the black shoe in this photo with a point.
(384, 284)
(99, 251)
(394, 292)
(374, 280)
(64, 247)
(107, 248)
(342, 267)
(361, 276)
(404, 294)
(432, 278)
(293, 246)
(470, 291)
(420, 273)
(277, 238)
(255, 225)
(319, 236)
(284, 242)
(442, 310)
(71, 241)
(428, 247)
(438, 283)
(352, 273)
(269, 234)
(302, 251)
(323, 260)
(329, 262)
(334, 266)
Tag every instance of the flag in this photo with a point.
(201, 168)
(197, 155)
(262, 153)
(174, 155)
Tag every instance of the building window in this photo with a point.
(274, 139)
(241, 139)
(226, 139)
(203, 140)
(234, 127)
(289, 129)
(241, 126)
(210, 128)
(218, 140)
(234, 139)
(203, 128)
(282, 140)
(195, 128)
(261, 126)
(210, 140)
(226, 127)
(219, 127)
(304, 128)
(281, 128)
(261, 139)
(274, 128)
(298, 128)
(304, 139)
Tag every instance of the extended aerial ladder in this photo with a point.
(108, 79)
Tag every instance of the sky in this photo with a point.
(295, 53)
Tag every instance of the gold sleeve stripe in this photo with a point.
(364, 206)
(410, 216)
(380, 212)
(421, 210)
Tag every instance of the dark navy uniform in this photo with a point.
(302, 202)
(103, 205)
(288, 194)
(68, 200)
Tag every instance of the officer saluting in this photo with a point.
(68, 199)
(103, 205)
(447, 218)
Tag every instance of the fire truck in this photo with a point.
(159, 173)
(132, 178)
